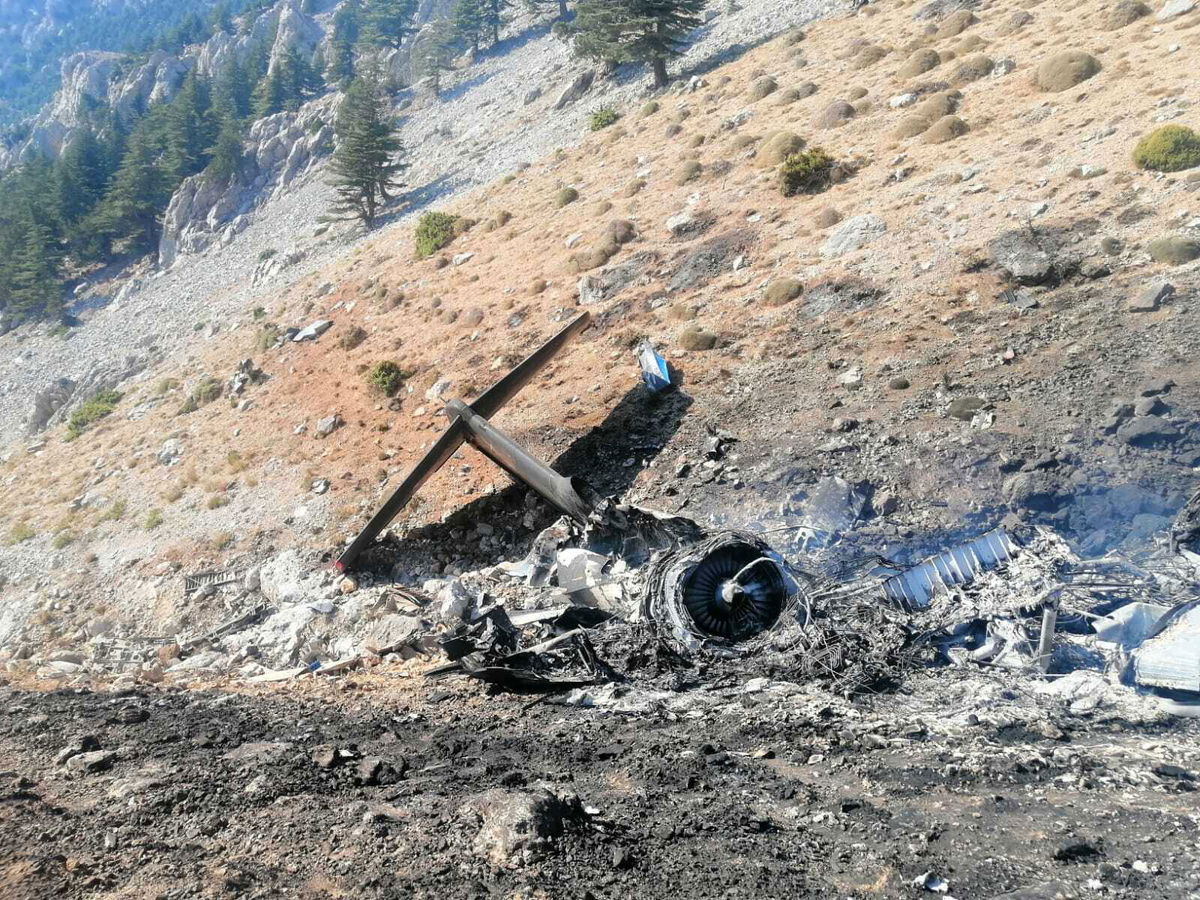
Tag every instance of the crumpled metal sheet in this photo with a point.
(1170, 658)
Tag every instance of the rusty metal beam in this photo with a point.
(470, 423)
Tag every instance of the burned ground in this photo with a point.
(733, 791)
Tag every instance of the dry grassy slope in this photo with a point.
(940, 315)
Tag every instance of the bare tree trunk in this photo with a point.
(660, 71)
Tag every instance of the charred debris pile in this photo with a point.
(612, 594)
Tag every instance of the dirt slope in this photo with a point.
(902, 266)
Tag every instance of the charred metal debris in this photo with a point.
(656, 594)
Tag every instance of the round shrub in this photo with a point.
(620, 231)
(763, 87)
(1063, 71)
(955, 24)
(604, 117)
(1014, 23)
(919, 63)
(650, 108)
(827, 217)
(805, 173)
(868, 56)
(947, 128)
(696, 338)
(1171, 148)
(1174, 250)
(434, 231)
(690, 172)
(565, 196)
(778, 147)
(834, 115)
(386, 377)
(1125, 13)
(972, 68)
(783, 290)
(634, 187)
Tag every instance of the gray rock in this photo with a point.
(94, 761)
(170, 452)
(852, 234)
(682, 223)
(313, 331)
(1150, 299)
(576, 89)
(83, 744)
(1024, 261)
(1173, 8)
(1147, 431)
(1156, 386)
(964, 408)
(516, 826)
(1149, 406)
(329, 425)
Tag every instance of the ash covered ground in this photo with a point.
(379, 787)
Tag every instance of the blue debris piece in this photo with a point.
(654, 368)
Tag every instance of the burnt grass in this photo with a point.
(218, 795)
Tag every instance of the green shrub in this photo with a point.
(565, 196)
(1171, 148)
(807, 172)
(93, 410)
(604, 117)
(689, 172)
(114, 512)
(153, 519)
(267, 254)
(208, 390)
(650, 108)
(434, 231)
(62, 539)
(216, 501)
(387, 377)
(19, 533)
(268, 336)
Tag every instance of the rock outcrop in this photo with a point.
(279, 149)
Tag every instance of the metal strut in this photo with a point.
(470, 423)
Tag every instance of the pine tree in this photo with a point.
(34, 274)
(366, 158)
(493, 16)
(468, 23)
(435, 54)
(232, 92)
(220, 18)
(340, 68)
(559, 5)
(79, 177)
(190, 128)
(300, 79)
(386, 22)
(139, 190)
(270, 95)
(228, 154)
(643, 31)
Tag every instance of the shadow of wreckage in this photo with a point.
(727, 596)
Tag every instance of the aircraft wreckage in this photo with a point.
(1002, 598)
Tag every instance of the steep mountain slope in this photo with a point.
(37, 35)
(969, 331)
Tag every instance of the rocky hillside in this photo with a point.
(985, 313)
